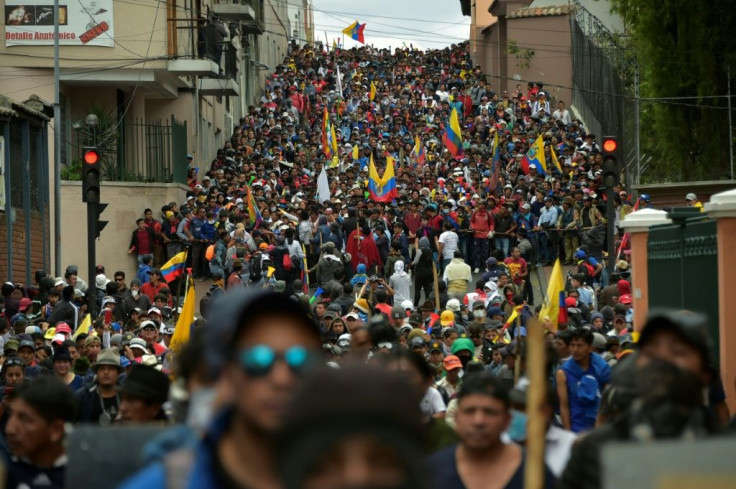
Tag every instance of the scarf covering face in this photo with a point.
(399, 268)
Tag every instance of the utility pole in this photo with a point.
(637, 127)
(57, 148)
(730, 126)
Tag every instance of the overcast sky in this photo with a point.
(425, 23)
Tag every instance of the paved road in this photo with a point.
(539, 277)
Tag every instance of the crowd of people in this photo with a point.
(345, 342)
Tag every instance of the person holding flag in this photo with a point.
(452, 137)
(382, 189)
(534, 158)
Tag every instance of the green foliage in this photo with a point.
(524, 57)
(72, 171)
(683, 49)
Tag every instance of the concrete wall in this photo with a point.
(549, 38)
(126, 203)
(480, 19)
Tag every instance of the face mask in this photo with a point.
(517, 427)
(479, 314)
(134, 293)
(446, 211)
(273, 209)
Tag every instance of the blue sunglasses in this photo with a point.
(258, 360)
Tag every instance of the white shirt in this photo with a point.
(432, 402)
(557, 449)
(562, 115)
(449, 241)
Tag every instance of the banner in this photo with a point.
(81, 23)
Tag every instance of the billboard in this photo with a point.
(81, 23)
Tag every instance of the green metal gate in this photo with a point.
(683, 266)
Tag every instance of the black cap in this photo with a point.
(690, 326)
(146, 383)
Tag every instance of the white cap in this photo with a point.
(691, 196)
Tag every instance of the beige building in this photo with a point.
(172, 78)
(518, 41)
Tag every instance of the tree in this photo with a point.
(683, 49)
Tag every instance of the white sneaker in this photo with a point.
(477, 270)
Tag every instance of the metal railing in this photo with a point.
(153, 151)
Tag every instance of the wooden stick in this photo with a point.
(535, 405)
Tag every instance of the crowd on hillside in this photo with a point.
(316, 301)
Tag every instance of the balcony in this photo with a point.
(219, 87)
(235, 10)
(199, 67)
(226, 84)
(249, 13)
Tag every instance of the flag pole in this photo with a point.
(178, 293)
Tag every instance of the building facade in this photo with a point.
(166, 79)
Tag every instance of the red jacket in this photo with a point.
(481, 223)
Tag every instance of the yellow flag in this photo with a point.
(356, 152)
(270, 272)
(186, 318)
(553, 157)
(334, 44)
(555, 289)
(83, 326)
(373, 91)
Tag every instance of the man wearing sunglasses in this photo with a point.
(259, 344)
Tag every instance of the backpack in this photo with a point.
(287, 263)
(256, 271)
(586, 269)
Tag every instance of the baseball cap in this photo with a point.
(495, 311)
(447, 318)
(691, 196)
(417, 343)
(599, 341)
(398, 312)
(24, 303)
(625, 299)
(63, 328)
(451, 362)
(453, 305)
(435, 346)
(139, 343)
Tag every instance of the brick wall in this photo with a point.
(39, 227)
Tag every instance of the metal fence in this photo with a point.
(603, 84)
(153, 151)
(684, 253)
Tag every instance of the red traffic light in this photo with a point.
(609, 145)
(91, 157)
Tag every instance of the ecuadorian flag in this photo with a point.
(418, 151)
(535, 158)
(355, 31)
(453, 137)
(174, 268)
(382, 189)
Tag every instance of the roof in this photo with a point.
(34, 107)
(533, 11)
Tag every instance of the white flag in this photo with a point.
(323, 187)
(339, 81)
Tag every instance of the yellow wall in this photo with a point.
(126, 204)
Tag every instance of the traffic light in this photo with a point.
(91, 174)
(99, 225)
(610, 168)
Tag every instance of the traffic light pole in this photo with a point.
(92, 255)
(611, 239)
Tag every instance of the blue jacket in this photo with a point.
(202, 475)
(584, 390)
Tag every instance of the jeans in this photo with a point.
(481, 251)
(503, 244)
